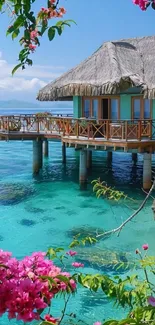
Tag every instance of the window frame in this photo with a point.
(141, 108)
(99, 98)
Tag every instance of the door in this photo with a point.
(105, 109)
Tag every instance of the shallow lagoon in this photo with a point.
(52, 208)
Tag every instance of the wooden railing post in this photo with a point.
(126, 130)
(139, 130)
(77, 128)
(150, 129)
(37, 125)
(8, 124)
(107, 130)
(63, 123)
(88, 131)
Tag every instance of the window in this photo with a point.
(137, 108)
(147, 109)
(95, 108)
(141, 108)
(86, 109)
(114, 108)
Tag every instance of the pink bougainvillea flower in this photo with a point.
(71, 253)
(151, 301)
(97, 323)
(77, 264)
(72, 284)
(23, 292)
(51, 319)
(32, 47)
(33, 34)
(145, 247)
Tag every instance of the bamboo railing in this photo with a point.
(126, 130)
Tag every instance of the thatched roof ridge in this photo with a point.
(113, 68)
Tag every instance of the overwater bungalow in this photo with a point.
(113, 94)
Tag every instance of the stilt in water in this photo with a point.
(45, 148)
(63, 153)
(89, 159)
(83, 169)
(109, 155)
(134, 157)
(37, 156)
(147, 171)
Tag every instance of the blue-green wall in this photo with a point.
(125, 107)
(77, 106)
(153, 110)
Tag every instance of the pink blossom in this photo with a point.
(141, 3)
(98, 323)
(32, 47)
(145, 247)
(51, 319)
(73, 284)
(23, 289)
(33, 34)
(151, 301)
(77, 265)
(71, 253)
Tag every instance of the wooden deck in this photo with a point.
(102, 134)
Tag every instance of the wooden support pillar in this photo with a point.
(83, 167)
(147, 171)
(45, 148)
(63, 152)
(134, 157)
(109, 155)
(37, 156)
(89, 159)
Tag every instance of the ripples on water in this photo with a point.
(48, 209)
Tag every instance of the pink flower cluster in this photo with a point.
(141, 3)
(24, 288)
(44, 15)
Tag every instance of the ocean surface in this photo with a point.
(48, 210)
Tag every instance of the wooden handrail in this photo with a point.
(67, 126)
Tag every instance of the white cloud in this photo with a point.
(25, 82)
(20, 84)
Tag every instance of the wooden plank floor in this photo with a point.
(133, 144)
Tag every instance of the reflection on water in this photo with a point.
(48, 210)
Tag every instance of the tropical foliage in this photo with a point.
(32, 25)
(27, 287)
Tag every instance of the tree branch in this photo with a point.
(64, 310)
(118, 229)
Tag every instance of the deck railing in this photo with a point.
(91, 129)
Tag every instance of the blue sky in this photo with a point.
(97, 21)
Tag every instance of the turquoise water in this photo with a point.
(52, 208)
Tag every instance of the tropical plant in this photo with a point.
(144, 4)
(27, 287)
(32, 25)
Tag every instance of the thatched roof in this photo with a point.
(113, 68)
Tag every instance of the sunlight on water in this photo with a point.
(49, 210)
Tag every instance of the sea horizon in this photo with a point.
(16, 111)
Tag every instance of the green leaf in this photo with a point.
(63, 278)
(29, 62)
(74, 244)
(51, 33)
(16, 68)
(15, 33)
